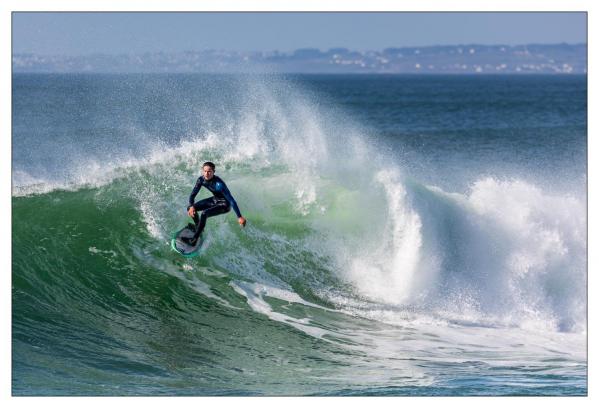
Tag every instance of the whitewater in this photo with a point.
(391, 248)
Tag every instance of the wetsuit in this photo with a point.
(220, 203)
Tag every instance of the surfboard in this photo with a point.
(184, 248)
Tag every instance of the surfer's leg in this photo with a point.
(219, 207)
(201, 206)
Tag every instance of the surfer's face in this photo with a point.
(208, 172)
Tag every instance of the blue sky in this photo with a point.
(115, 33)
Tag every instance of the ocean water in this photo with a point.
(407, 235)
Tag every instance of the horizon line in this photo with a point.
(306, 48)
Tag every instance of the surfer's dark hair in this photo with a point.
(209, 164)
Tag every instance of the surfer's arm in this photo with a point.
(231, 200)
(195, 191)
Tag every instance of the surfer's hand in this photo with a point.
(242, 221)
(191, 211)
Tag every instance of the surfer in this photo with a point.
(220, 203)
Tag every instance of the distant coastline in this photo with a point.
(454, 59)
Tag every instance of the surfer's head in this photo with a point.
(208, 170)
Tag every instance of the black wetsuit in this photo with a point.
(220, 203)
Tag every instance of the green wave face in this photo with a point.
(101, 301)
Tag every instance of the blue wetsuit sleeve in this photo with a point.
(195, 191)
(231, 200)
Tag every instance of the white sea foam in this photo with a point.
(505, 251)
(254, 293)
